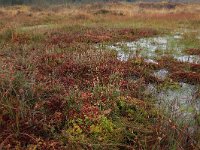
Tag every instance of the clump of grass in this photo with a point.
(7, 34)
(190, 40)
(193, 51)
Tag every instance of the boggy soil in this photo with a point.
(64, 93)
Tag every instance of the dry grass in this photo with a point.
(97, 14)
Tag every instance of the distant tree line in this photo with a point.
(19, 2)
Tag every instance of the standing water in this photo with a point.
(154, 48)
(180, 101)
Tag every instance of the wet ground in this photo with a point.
(153, 48)
(180, 99)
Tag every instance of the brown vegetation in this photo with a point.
(158, 5)
(59, 91)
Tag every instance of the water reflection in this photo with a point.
(181, 102)
(154, 48)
